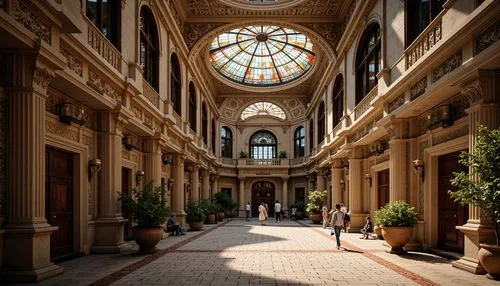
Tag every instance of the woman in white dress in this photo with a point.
(262, 213)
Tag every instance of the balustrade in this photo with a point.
(150, 94)
(423, 43)
(365, 104)
(103, 46)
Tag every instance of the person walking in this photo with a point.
(262, 213)
(277, 211)
(337, 224)
(324, 212)
(247, 209)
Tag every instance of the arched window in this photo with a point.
(263, 145)
(368, 61)
(263, 108)
(321, 122)
(106, 16)
(149, 47)
(204, 123)
(311, 135)
(226, 142)
(299, 139)
(192, 106)
(175, 84)
(213, 135)
(338, 100)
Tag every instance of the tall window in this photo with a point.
(149, 47)
(105, 14)
(419, 14)
(311, 135)
(368, 61)
(299, 139)
(192, 106)
(213, 135)
(263, 145)
(226, 142)
(204, 123)
(321, 122)
(175, 84)
(338, 100)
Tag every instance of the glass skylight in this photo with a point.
(263, 108)
(262, 55)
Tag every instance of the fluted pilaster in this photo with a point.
(320, 181)
(178, 188)
(152, 161)
(284, 196)
(206, 185)
(241, 196)
(195, 183)
(337, 176)
(398, 166)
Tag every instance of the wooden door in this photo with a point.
(263, 192)
(127, 228)
(450, 213)
(59, 201)
(382, 188)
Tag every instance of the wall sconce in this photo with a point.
(138, 177)
(377, 148)
(94, 167)
(128, 141)
(188, 167)
(68, 113)
(368, 178)
(342, 185)
(170, 184)
(441, 116)
(418, 166)
(166, 159)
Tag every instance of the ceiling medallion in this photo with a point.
(262, 55)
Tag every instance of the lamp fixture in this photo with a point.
(138, 177)
(166, 159)
(368, 178)
(68, 113)
(377, 148)
(94, 167)
(188, 167)
(418, 167)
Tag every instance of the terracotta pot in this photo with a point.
(147, 238)
(316, 218)
(196, 225)
(378, 231)
(489, 256)
(397, 237)
(211, 219)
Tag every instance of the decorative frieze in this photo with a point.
(464, 130)
(193, 32)
(393, 105)
(61, 130)
(31, 21)
(99, 84)
(449, 65)
(73, 63)
(418, 88)
(42, 77)
(487, 38)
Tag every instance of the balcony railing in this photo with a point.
(178, 119)
(263, 162)
(150, 94)
(103, 46)
(229, 161)
(336, 129)
(423, 43)
(363, 106)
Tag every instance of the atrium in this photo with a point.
(370, 101)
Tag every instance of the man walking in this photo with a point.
(337, 223)
(277, 211)
(247, 209)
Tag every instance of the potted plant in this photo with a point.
(195, 215)
(149, 211)
(225, 203)
(314, 205)
(397, 220)
(282, 154)
(300, 208)
(211, 210)
(481, 187)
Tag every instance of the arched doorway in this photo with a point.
(262, 191)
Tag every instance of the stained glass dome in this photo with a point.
(263, 108)
(262, 55)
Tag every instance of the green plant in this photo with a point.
(282, 154)
(481, 185)
(209, 206)
(397, 213)
(195, 212)
(316, 201)
(146, 206)
(224, 201)
(243, 154)
(300, 206)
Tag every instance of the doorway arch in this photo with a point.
(263, 191)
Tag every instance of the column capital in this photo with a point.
(241, 178)
(397, 128)
(482, 89)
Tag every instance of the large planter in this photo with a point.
(211, 219)
(489, 256)
(196, 225)
(397, 237)
(299, 214)
(220, 216)
(378, 231)
(147, 238)
(316, 218)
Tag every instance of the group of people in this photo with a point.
(341, 220)
(264, 212)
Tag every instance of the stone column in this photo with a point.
(152, 161)
(320, 180)
(241, 197)
(27, 233)
(215, 186)
(195, 183)
(206, 184)
(178, 189)
(337, 176)
(284, 196)
(109, 223)
(484, 110)
(398, 167)
(356, 180)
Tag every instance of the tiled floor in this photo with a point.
(241, 253)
